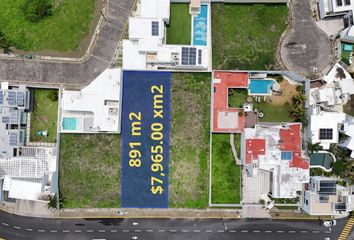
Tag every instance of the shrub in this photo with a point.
(36, 10)
(53, 95)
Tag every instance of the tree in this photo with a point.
(36, 10)
(53, 202)
(313, 147)
(53, 95)
(338, 168)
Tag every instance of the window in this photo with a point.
(339, 3)
(155, 28)
(347, 2)
(326, 134)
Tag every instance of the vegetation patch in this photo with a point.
(237, 97)
(226, 175)
(189, 151)
(44, 116)
(90, 170)
(179, 28)
(246, 36)
(34, 25)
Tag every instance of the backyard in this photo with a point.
(246, 36)
(226, 175)
(90, 170)
(44, 115)
(179, 29)
(189, 152)
(63, 30)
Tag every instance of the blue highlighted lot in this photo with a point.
(146, 139)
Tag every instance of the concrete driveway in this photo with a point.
(306, 47)
(34, 72)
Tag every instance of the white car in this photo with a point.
(330, 223)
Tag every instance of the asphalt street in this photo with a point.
(66, 73)
(13, 227)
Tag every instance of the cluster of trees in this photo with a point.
(298, 111)
(36, 10)
(344, 166)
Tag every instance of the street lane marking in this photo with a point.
(173, 230)
(29, 229)
(101, 231)
(41, 230)
(196, 230)
(77, 231)
(89, 231)
(185, 231)
(256, 231)
(232, 231)
(280, 231)
(114, 230)
(268, 231)
(244, 231)
(137, 230)
(5, 224)
(53, 231)
(292, 231)
(125, 230)
(149, 230)
(327, 231)
(161, 230)
(316, 231)
(303, 231)
(65, 231)
(17, 227)
(221, 231)
(209, 231)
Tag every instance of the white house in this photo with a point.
(324, 197)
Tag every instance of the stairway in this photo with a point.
(254, 186)
(347, 228)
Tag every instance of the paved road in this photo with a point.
(16, 227)
(306, 46)
(33, 71)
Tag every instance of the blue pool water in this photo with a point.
(69, 124)
(348, 47)
(286, 156)
(200, 27)
(260, 86)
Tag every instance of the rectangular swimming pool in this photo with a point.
(260, 86)
(69, 124)
(200, 27)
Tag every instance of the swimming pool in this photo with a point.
(69, 124)
(200, 27)
(260, 86)
(286, 156)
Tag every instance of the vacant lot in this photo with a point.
(44, 116)
(246, 36)
(62, 31)
(190, 109)
(226, 175)
(90, 170)
(179, 29)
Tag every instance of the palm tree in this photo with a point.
(299, 99)
(53, 202)
(313, 147)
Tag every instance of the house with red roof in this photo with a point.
(276, 149)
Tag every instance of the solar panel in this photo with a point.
(1, 97)
(328, 187)
(200, 56)
(13, 139)
(11, 97)
(14, 117)
(20, 99)
(340, 206)
(155, 28)
(189, 56)
(5, 119)
(326, 133)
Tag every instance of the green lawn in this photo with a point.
(246, 36)
(62, 31)
(226, 175)
(179, 29)
(90, 170)
(189, 154)
(44, 116)
(237, 97)
(274, 112)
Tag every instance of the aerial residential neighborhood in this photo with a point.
(181, 119)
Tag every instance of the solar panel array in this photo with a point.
(328, 187)
(14, 117)
(189, 56)
(1, 97)
(20, 99)
(11, 98)
(340, 206)
(5, 119)
(13, 139)
(326, 133)
(155, 28)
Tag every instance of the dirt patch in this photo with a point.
(288, 91)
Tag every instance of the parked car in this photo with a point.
(330, 223)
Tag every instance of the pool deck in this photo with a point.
(222, 114)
